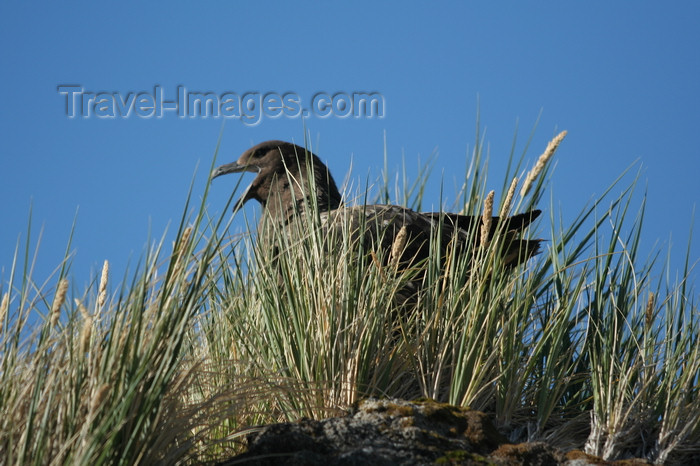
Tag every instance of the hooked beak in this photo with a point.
(233, 167)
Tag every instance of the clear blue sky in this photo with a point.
(623, 78)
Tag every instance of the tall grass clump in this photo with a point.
(587, 346)
(99, 376)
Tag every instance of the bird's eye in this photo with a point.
(257, 154)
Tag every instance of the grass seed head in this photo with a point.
(58, 300)
(81, 309)
(180, 249)
(4, 306)
(486, 219)
(184, 239)
(505, 210)
(99, 397)
(649, 314)
(102, 290)
(398, 246)
(85, 335)
(542, 162)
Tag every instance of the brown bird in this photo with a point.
(290, 179)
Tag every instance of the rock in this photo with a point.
(579, 458)
(399, 432)
(378, 432)
(528, 453)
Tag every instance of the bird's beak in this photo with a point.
(233, 167)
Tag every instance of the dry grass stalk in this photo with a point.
(649, 313)
(86, 331)
(398, 247)
(83, 312)
(486, 219)
(505, 210)
(58, 300)
(542, 162)
(86, 335)
(98, 398)
(184, 240)
(4, 306)
(122, 339)
(180, 249)
(102, 290)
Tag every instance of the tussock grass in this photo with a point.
(583, 346)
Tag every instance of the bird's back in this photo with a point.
(381, 227)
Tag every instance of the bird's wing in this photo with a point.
(516, 223)
(381, 225)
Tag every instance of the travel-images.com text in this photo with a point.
(249, 107)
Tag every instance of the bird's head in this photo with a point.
(288, 175)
